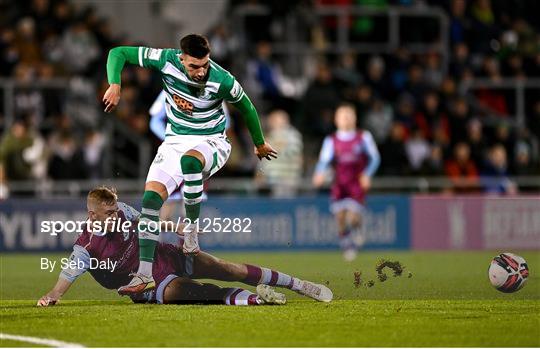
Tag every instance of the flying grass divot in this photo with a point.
(396, 267)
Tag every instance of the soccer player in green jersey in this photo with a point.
(195, 145)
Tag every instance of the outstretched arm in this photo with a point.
(116, 60)
(61, 287)
(67, 276)
(251, 118)
(232, 92)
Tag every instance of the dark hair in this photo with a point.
(195, 45)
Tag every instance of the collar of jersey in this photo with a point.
(346, 135)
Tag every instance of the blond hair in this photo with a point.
(102, 194)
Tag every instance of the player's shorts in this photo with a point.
(166, 167)
(346, 204)
(169, 264)
(347, 197)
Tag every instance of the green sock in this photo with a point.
(193, 186)
(149, 226)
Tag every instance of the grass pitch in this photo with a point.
(448, 301)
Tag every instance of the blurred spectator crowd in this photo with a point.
(423, 122)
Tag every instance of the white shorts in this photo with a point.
(166, 167)
(346, 204)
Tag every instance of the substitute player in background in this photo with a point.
(355, 158)
(195, 145)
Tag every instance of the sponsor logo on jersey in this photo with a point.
(183, 105)
(236, 89)
(204, 94)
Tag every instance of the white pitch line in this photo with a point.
(42, 341)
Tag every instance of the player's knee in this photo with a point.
(191, 164)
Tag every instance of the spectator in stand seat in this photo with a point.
(484, 28)
(347, 75)
(319, 102)
(67, 160)
(376, 78)
(460, 60)
(415, 84)
(495, 172)
(378, 120)
(12, 150)
(433, 166)
(363, 99)
(524, 166)
(462, 170)
(433, 75)
(476, 141)
(505, 136)
(393, 154)
(405, 112)
(284, 174)
(459, 118)
(417, 149)
(431, 119)
(459, 22)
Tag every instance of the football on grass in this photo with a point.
(508, 272)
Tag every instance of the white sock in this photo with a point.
(145, 268)
(297, 284)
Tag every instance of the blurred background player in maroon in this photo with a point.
(354, 157)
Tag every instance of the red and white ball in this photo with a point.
(508, 272)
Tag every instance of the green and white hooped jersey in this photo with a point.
(192, 108)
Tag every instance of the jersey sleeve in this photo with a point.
(145, 57)
(231, 90)
(130, 213)
(374, 159)
(81, 257)
(326, 155)
(154, 58)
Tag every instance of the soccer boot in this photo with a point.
(191, 242)
(318, 292)
(140, 283)
(269, 296)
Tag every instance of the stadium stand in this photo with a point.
(456, 94)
